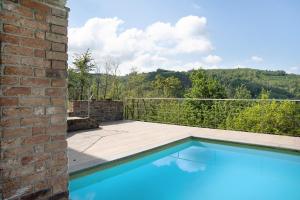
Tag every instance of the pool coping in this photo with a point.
(143, 153)
(164, 136)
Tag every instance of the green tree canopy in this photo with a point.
(204, 86)
(242, 93)
(167, 87)
(83, 65)
(267, 117)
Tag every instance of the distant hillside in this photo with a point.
(280, 84)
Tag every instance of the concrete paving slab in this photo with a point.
(120, 139)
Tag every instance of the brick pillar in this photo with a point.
(33, 75)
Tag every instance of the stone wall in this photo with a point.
(33, 147)
(102, 111)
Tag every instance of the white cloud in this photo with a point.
(257, 59)
(158, 45)
(212, 59)
(293, 70)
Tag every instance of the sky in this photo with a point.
(187, 34)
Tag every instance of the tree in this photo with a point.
(73, 84)
(267, 117)
(98, 80)
(135, 83)
(115, 87)
(83, 65)
(264, 94)
(242, 93)
(167, 87)
(205, 87)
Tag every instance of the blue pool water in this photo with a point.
(196, 171)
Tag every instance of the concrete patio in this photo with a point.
(120, 139)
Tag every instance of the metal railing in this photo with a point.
(219, 113)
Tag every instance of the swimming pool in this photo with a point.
(196, 170)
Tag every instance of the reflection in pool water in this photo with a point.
(196, 170)
(191, 159)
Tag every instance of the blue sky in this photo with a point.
(262, 34)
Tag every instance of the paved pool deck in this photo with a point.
(120, 139)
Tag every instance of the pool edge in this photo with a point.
(88, 170)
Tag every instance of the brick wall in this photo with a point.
(33, 162)
(102, 111)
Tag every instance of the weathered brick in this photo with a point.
(38, 130)
(59, 12)
(56, 73)
(58, 82)
(4, 38)
(27, 160)
(58, 47)
(37, 139)
(57, 21)
(15, 91)
(11, 59)
(58, 119)
(20, 31)
(33, 24)
(40, 17)
(17, 152)
(39, 34)
(53, 37)
(52, 55)
(56, 146)
(41, 185)
(16, 132)
(16, 50)
(8, 80)
(58, 138)
(59, 29)
(39, 72)
(32, 61)
(39, 82)
(39, 110)
(56, 129)
(15, 8)
(9, 122)
(34, 101)
(32, 178)
(9, 143)
(38, 148)
(39, 53)
(55, 110)
(35, 5)
(17, 111)
(35, 43)
(61, 186)
(8, 101)
(58, 101)
(34, 121)
(27, 132)
(38, 91)
(55, 92)
(55, 64)
(22, 71)
(20, 171)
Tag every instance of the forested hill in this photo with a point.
(280, 84)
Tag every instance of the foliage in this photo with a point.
(278, 117)
(273, 117)
(242, 93)
(167, 87)
(83, 65)
(205, 87)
